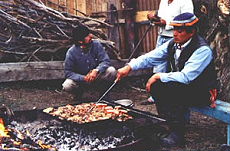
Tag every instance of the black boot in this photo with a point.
(173, 139)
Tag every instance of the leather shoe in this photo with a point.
(172, 140)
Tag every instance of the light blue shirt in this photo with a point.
(194, 66)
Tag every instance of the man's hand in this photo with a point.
(92, 75)
(161, 22)
(122, 72)
(213, 97)
(151, 81)
(152, 16)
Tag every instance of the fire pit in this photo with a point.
(44, 132)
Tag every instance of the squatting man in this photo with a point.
(189, 78)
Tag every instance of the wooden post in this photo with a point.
(70, 4)
(81, 6)
(130, 26)
(113, 32)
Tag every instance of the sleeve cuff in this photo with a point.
(81, 78)
(163, 77)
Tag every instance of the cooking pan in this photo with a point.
(125, 102)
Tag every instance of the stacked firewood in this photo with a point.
(31, 31)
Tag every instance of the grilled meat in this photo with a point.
(79, 113)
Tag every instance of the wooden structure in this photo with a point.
(118, 13)
(28, 71)
(127, 29)
(50, 70)
(143, 7)
(77, 7)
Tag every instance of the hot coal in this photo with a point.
(67, 137)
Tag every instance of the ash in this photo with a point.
(65, 137)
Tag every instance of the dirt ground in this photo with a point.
(203, 133)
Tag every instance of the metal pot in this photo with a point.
(125, 102)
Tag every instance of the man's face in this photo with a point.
(181, 36)
(87, 40)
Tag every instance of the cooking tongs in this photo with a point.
(114, 83)
(134, 50)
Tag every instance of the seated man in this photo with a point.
(86, 63)
(189, 78)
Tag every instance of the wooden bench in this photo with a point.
(221, 112)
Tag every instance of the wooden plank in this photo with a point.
(89, 8)
(70, 4)
(221, 112)
(28, 71)
(141, 16)
(228, 134)
(81, 6)
(143, 6)
(104, 6)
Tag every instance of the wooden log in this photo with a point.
(27, 71)
(51, 70)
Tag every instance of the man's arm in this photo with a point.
(123, 72)
(153, 58)
(195, 65)
(69, 68)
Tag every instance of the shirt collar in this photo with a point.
(182, 46)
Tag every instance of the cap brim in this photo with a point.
(184, 24)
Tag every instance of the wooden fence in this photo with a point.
(115, 12)
(143, 6)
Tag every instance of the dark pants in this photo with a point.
(173, 100)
